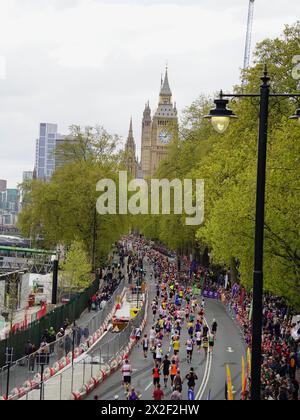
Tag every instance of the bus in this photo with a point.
(14, 241)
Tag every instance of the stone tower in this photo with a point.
(156, 131)
(146, 142)
(130, 153)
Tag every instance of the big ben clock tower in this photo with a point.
(156, 132)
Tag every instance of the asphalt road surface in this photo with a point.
(211, 370)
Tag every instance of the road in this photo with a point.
(211, 373)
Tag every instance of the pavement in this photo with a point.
(211, 372)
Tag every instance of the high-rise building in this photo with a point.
(9, 206)
(130, 153)
(3, 185)
(45, 151)
(27, 176)
(156, 131)
(47, 159)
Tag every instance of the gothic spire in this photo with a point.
(165, 88)
(130, 139)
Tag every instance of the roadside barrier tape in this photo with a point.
(96, 382)
(56, 365)
(61, 364)
(35, 385)
(15, 392)
(87, 389)
(99, 376)
(113, 364)
(27, 385)
(76, 396)
(82, 347)
(22, 392)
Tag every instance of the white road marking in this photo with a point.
(206, 373)
(148, 387)
(230, 350)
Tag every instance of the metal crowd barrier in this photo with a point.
(27, 368)
(73, 378)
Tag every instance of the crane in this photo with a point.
(249, 36)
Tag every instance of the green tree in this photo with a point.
(76, 269)
(64, 209)
(228, 162)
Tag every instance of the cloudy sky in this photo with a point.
(99, 61)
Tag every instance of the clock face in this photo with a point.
(164, 137)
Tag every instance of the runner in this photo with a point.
(176, 345)
(159, 354)
(191, 378)
(191, 329)
(152, 337)
(166, 370)
(191, 394)
(176, 395)
(205, 344)
(198, 337)
(214, 327)
(127, 372)
(133, 396)
(145, 346)
(189, 350)
(156, 375)
(205, 331)
(211, 341)
(178, 381)
(173, 372)
(158, 393)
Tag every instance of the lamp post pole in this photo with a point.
(258, 278)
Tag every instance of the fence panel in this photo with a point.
(25, 369)
(34, 333)
(74, 378)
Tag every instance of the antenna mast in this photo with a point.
(249, 36)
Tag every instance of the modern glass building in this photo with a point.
(45, 151)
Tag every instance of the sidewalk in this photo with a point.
(90, 363)
(89, 323)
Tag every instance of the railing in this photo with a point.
(27, 368)
(55, 319)
(103, 353)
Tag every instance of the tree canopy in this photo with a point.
(63, 210)
(228, 164)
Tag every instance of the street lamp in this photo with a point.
(220, 118)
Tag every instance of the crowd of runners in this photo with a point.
(178, 320)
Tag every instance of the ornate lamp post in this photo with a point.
(220, 118)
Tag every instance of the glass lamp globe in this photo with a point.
(220, 124)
